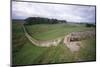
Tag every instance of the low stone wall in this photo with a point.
(78, 36)
(73, 40)
(48, 43)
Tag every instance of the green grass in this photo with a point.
(47, 31)
(24, 52)
(89, 51)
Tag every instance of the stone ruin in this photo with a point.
(73, 40)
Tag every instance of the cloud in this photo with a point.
(72, 13)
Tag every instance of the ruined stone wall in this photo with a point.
(77, 36)
(73, 40)
(48, 43)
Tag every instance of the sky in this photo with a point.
(71, 13)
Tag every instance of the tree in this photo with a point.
(39, 20)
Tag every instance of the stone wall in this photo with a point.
(48, 43)
(73, 40)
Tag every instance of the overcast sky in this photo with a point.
(72, 13)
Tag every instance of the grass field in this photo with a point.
(47, 31)
(24, 52)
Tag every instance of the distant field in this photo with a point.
(24, 52)
(49, 31)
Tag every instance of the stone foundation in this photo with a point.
(73, 40)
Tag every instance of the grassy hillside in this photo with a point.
(24, 52)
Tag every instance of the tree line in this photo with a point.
(39, 20)
(90, 25)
